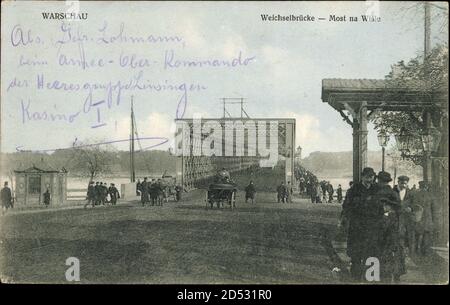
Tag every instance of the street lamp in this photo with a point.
(403, 141)
(431, 139)
(383, 139)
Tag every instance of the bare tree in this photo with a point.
(92, 160)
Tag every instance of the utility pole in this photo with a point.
(427, 30)
(427, 114)
(132, 174)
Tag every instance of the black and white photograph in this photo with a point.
(224, 143)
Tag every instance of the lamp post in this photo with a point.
(431, 139)
(383, 139)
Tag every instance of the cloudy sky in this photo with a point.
(49, 100)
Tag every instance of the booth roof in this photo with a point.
(43, 169)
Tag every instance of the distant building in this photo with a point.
(31, 184)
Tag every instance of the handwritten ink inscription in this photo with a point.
(83, 74)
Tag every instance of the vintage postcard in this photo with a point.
(151, 142)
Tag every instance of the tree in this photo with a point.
(92, 160)
(429, 78)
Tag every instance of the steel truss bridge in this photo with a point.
(237, 153)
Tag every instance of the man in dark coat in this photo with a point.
(100, 193)
(391, 257)
(90, 196)
(250, 192)
(138, 188)
(281, 192)
(113, 193)
(390, 254)
(144, 191)
(154, 191)
(105, 193)
(323, 186)
(330, 191)
(46, 198)
(289, 192)
(6, 197)
(311, 189)
(161, 192)
(339, 193)
(359, 214)
(301, 186)
(96, 193)
(178, 192)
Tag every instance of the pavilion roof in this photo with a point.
(380, 94)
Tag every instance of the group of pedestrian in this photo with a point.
(318, 191)
(323, 192)
(305, 180)
(151, 192)
(100, 194)
(385, 223)
(284, 192)
(327, 191)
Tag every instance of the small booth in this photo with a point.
(32, 183)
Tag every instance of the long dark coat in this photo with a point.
(364, 212)
(114, 193)
(6, 197)
(392, 259)
(250, 191)
(144, 191)
(91, 192)
(46, 198)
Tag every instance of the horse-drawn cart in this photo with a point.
(219, 194)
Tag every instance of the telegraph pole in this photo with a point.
(427, 30)
(132, 174)
(427, 114)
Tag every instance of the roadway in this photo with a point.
(182, 242)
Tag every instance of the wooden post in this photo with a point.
(427, 162)
(359, 142)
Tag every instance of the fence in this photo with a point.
(76, 194)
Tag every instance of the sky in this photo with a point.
(50, 100)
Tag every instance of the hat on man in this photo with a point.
(368, 171)
(403, 178)
(384, 177)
